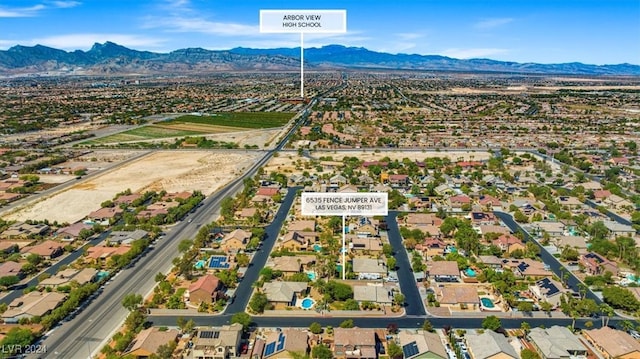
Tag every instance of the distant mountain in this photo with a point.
(111, 58)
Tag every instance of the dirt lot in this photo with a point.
(171, 171)
(286, 161)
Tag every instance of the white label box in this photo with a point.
(345, 204)
(303, 21)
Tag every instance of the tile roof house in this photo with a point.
(32, 304)
(68, 275)
(102, 253)
(508, 243)
(47, 249)
(613, 343)
(432, 247)
(126, 199)
(444, 271)
(72, 232)
(421, 345)
(489, 345)
(235, 241)
(149, 340)
(372, 244)
(206, 289)
(106, 214)
(25, 230)
(127, 237)
(284, 292)
(596, 264)
(369, 268)
(11, 268)
(354, 343)
(557, 343)
(298, 240)
(217, 342)
(531, 268)
(290, 265)
(302, 225)
(287, 344)
(453, 295)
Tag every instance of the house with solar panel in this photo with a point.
(421, 344)
(286, 344)
(217, 342)
(547, 290)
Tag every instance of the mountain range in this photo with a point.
(113, 59)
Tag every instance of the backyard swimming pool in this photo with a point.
(469, 272)
(307, 303)
(487, 303)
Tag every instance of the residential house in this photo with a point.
(371, 244)
(25, 230)
(11, 268)
(149, 340)
(177, 196)
(302, 225)
(48, 249)
(106, 214)
(127, 199)
(65, 277)
(576, 242)
(618, 229)
(490, 203)
(416, 220)
(490, 345)
(71, 232)
(458, 201)
(126, 237)
(265, 194)
(484, 229)
(100, 254)
(613, 343)
(421, 344)
(369, 268)
(290, 265)
(595, 264)
(547, 290)
(235, 240)
(354, 343)
(287, 344)
(398, 181)
(553, 228)
(557, 343)
(492, 262)
(483, 218)
(338, 180)
(284, 292)
(617, 203)
(297, 241)
(372, 293)
(531, 268)
(347, 188)
(32, 304)
(247, 213)
(365, 227)
(444, 271)
(207, 289)
(599, 196)
(458, 295)
(509, 243)
(569, 202)
(217, 342)
(432, 247)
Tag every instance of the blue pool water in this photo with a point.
(311, 275)
(470, 272)
(317, 247)
(200, 264)
(307, 303)
(633, 278)
(101, 275)
(487, 303)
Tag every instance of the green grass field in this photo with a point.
(142, 133)
(238, 119)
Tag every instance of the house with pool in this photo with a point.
(444, 271)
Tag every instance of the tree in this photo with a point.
(258, 302)
(620, 298)
(526, 327)
(492, 323)
(131, 301)
(321, 352)
(165, 351)
(9, 280)
(392, 328)
(391, 263)
(395, 352)
(17, 338)
(348, 323)
(526, 307)
(242, 318)
(315, 328)
(427, 326)
(398, 299)
(242, 259)
(184, 245)
(527, 353)
(607, 312)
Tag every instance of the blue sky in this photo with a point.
(544, 31)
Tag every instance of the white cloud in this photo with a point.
(65, 4)
(21, 11)
(492, 23)
(472, 53)
(85, 41)
(409, 35)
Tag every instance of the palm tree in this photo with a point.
(607, 312)
(627, 325)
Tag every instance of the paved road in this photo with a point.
(408, 287)
(243, 292)
(553, 262)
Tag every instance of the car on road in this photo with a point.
(190, 220)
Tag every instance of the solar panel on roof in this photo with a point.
(410, 350)
(281, 339)
(207, 334)
(270, 349)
